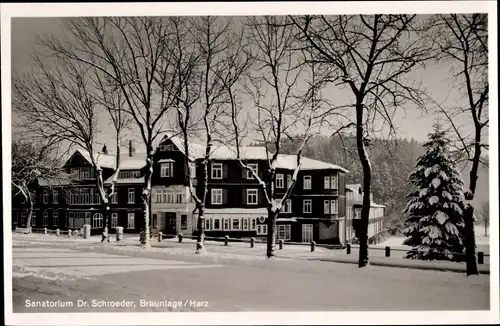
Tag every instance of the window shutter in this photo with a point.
(172, 169)
(224, 196)
(243, 173)
(224, 171)
(244, 197)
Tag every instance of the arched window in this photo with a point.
(97, 220)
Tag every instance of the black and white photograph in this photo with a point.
(250, 163)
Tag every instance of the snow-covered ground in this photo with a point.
(397, 241)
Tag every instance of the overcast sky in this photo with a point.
(411, 124)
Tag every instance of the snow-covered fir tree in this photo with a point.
(435, 207)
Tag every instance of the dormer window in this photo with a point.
(170, 147)
(163, 148)
(128, 174)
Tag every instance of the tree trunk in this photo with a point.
(146, 195)
(271, 235)
(30, 212)
(470, 243)
(367, 174)
(200, 239)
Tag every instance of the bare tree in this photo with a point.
(371, 56)
(135, 55)
(463, 40)
(56, 101)
(32, 162)
(280, 109)
(203, 76)
(485, 216)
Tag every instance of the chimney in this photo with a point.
(105, 150)
(131, 149)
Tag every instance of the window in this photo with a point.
(236, 224)
(170, 147)
(307, 182)
(217, 171)
(217, 224)
(331, 206)
(280, 181)
(114, 197)
(55, 218)
(252, 196)
(45, 197)
(167, 170)
(207, 224)
(45, 219)
(131, 221)
(33, 219)
(287, 207)
(261, 229)
(245, 223)
(163, 147)
(97, 220)
(114, 220)
(159, 195)
(127, 174)
(131, 195)
(307, 206)
(254, 167)
(55, 196)
(217, 196)
(253, 224)
(179, 196)
(87, 218)
(85, 173)
(284, 232)
(168, 196)
(184, 222)
(331, 182)
(226, 224)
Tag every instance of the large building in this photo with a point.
(321, 207)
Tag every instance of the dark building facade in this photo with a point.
(318, 208)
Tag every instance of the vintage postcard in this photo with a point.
(250, 163)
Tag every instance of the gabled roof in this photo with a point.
(225, 152)
(103, 160)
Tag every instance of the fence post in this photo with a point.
(281, 244)
(226, 240)
(31, 229)
(160, 236)
(313, 246)
(179, 237)
(69, 233)
(58, 232)
(44, 230)
(252, 242)
(388, 251)
(480, 257)
(348, 249)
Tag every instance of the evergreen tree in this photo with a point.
(435, 207)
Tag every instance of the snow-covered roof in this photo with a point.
(225, 152)
(138, 180)
(353, 186)
(44, 182)
(103, 160)
(372, 204)
(137, 162)
(163, 160)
